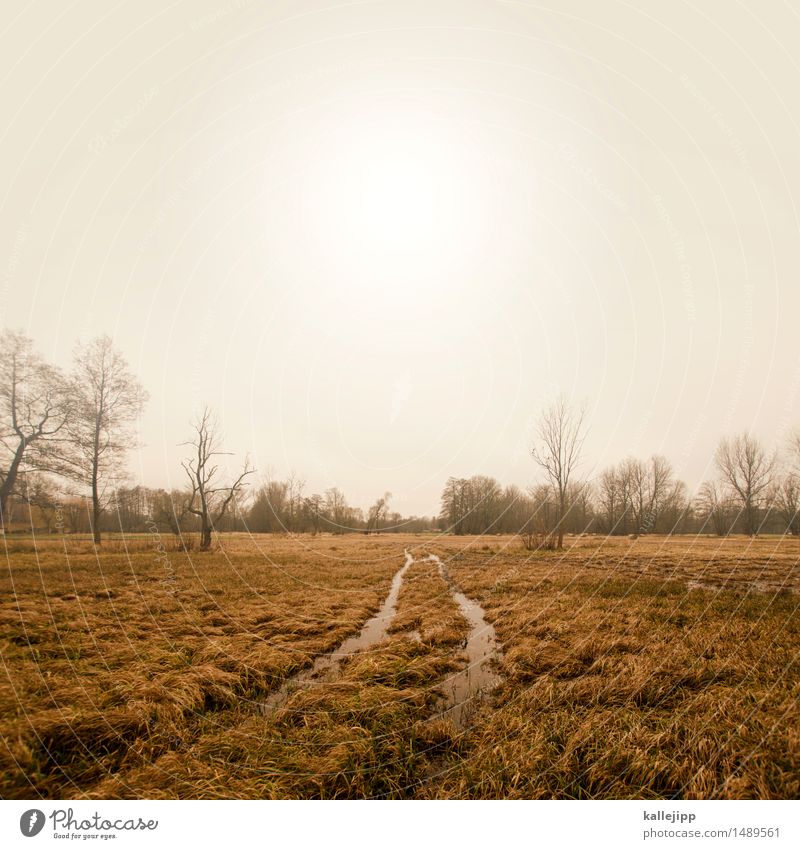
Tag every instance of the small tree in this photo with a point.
(208, 499)
(748, 471)
(557, 449)
(40, 495)
(651, 483)
(315, 509)
(537, 533)
(337, 511)
(168, 510)
(377, 513)
(785, 499)
(714, 506)
(107, 401)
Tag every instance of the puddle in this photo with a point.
(463, 689)
(374, 631)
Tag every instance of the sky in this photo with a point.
(379, 237)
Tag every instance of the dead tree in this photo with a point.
(557, 448)
(208, 499)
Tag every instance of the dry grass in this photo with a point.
(625, 679)
(656, 668)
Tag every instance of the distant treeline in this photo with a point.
(64, 438)
(278, 506)
(634, 497)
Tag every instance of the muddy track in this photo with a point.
(462, 691)
(374, 631)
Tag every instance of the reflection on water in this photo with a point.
(375, 630)
(461, 690)
(464, 687)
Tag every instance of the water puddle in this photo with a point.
(374, 631)
(464, 688)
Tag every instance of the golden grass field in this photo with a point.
(655, 668)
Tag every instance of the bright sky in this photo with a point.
(378, 236)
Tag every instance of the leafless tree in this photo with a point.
(714, 505)
(107, 401)
(580, 497)
(748, 472)
(337, 509)
(168, 510)
(208, 499)
(611, 499)
(36, 405)
(40, 494)
(538, 534)
(785, 500)
(377, 513)
(651, 483)
(314, 507)
(294, 493)
(557, 449)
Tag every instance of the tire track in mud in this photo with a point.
(464, 689)
(374, 631)
(461, 691)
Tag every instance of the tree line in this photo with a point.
(64, 436)
(754, 491)
(63, 439)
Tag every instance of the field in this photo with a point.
(650, 668)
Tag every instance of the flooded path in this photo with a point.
(374, 631)
(464, 688)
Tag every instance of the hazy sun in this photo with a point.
(395, 194)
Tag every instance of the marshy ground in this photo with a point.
(654, 668)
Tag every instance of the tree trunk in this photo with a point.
(9, 481)
(95, 476)
(205, 535)
(95, 512)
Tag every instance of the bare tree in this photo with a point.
(580, 497)
(611, 499)
(714, 505)
(651, 482)
(337, 510)
(557, 449)
(748, 471)
(377, 513)
(314, 507)
(107, 401)
(39, 494)
(537, 534)
(168, 510)
(209, 499)
(294, 504)
(36, 404)
(785, 499)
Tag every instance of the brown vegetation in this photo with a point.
(656, 668)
